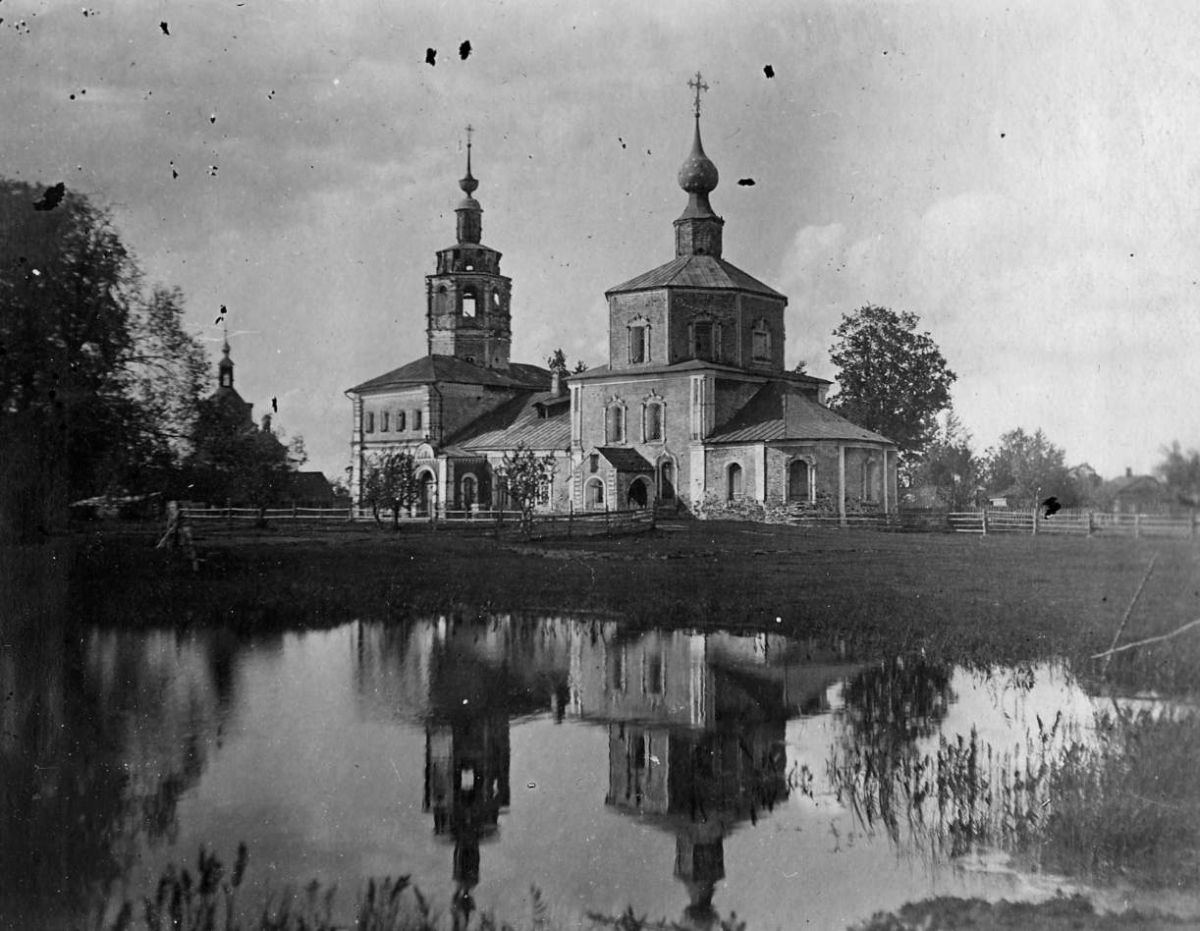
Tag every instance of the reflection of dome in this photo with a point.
(698, 174)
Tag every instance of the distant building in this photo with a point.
(1137, 494)
(694, 409)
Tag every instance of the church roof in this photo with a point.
(779, 411)
(539, 421)
(697, 271)
(624, 459)
(429, 369)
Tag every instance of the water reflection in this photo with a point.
(678, 771)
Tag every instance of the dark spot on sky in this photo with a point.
(163, 26)
(213, 118)
(431, 56)
(885, 51)
(746, 182)
(622, 141)
(271, 96)
(212, 170)
(1131, 255)
(1002, 135)
(174, 173)
(768, 71)
(464, 50)
(275, 405)
(221, 315)
(52, 197)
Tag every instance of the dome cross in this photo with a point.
(697, 84)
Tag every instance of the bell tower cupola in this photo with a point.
(698, 231)
(468, 313)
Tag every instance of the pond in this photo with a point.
(691, 776)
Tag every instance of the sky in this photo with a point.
(1024, 177)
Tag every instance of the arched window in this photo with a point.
(703, 341)
(614, 423)
(469, 494)
(734, 482)
(652, 422)
(639, 342)
(666, 480)
(639, 493)
(799, 480)
(468, 302)
(594, 494)
(761, 340)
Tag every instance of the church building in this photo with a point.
(694, 408)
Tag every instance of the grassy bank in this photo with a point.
(960, 598)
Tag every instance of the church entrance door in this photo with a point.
(638, 494)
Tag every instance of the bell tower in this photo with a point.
(467, 298)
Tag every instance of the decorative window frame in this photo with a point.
(615, 403)
(811, 496)
(401, 421)
(470, 294)
(590, 482)
(760, 328)
(638, 322)
(383, 422)
(654, 399)
(368, 421)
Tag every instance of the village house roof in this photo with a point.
(697, 271)
(430, 369)
(539, 421)
(780, 411)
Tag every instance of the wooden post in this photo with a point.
(985, 522)
(228, 514)
(1091, 528)
(294, 514)
(570, 517)
(1193, 523)
(1035, 519)
(607, 529)
(1137, 525)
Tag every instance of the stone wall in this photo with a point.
(626, 309)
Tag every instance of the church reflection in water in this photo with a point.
(696, 724)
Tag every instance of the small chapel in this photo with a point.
(694, 409)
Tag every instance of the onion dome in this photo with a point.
(698, 174)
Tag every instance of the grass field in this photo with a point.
(960, 598)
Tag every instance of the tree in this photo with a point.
(526, 477)
(390, 480)
(97, 380)
(1180, 472)
(557, 362)
(950, 466)
(1027, 468)
(891, 379)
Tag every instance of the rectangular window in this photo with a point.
(383, 422)
(594, 462)
(762, 346)
(637, 344)
(369, 427)
(653, 423)
(416, 420)
(655, 674)
(702, 338)
(615, 426)
(400, 421)
(618, 669)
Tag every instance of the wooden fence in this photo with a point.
(1074, 522)
(500, 521)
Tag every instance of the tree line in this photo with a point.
(101, 383)
(894, 380)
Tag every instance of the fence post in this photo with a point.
(1035, 519)
(1193, 523)
(607, 530)
(1091, 523)
(985, 513)
(1137, 525)
(570, 517)
(228, 514)
(294, 512)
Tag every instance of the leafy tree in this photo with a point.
(1180, 472)
(891, 379)
(557, 362)
(800, 368)
(390, 480)
(237, 461)
(950, 465)
(98, 380)
(1028, 468)
(525, 477)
